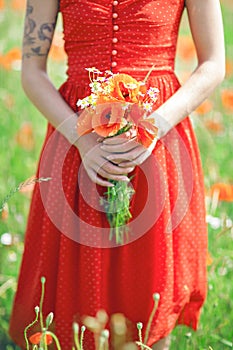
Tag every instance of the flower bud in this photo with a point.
(49, 319)
(43, 280)
(156, 296)
(83, 328)
(37, 310)
(76, 327)
(105, 333)
(139, 325)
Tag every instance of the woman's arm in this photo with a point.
(207, 30)
(40, 22)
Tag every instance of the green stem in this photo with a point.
(150, 321)
(76, 342)
(143, 346)
(55, 339)
(19, 187)
(26, 329)
(83, 328)
(41, 302)
(43, 343)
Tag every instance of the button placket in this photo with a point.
(115, 30)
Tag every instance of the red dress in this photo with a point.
(66, 233)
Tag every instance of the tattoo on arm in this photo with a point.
(34, 39)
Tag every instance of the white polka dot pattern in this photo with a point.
(170, 257)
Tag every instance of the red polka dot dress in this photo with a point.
(67, 229)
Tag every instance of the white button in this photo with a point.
(115, 28)
(114, 40)
(114, 15)
(114, 52)
(115, 3)
(114, 64)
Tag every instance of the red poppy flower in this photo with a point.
(146, 130)
(227, 98)
(225, 191)
(36, 338)
(108, 118)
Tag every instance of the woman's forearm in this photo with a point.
(49, 102)
(194, 91)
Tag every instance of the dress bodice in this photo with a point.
(127, 36)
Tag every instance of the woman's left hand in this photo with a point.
(126, 152)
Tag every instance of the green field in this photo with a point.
(22, 131)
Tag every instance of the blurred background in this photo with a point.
(22, 130)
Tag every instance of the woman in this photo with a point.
(169, 251)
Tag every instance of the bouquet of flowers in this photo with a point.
(118, 103)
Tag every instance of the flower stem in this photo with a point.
(156, 297)
(55, 339)
(43, 280)
(143, 346)
(27, 328)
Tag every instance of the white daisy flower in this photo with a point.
(147, 106)
(95, 86)
(83, 103)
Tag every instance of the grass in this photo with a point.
(18, 161)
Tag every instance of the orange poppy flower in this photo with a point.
(214, 125)
(108, 118)
(229, 67)
(227, 99)
(5, 212)
(2, 4)
(7, 60)
(18, 5)
(185, 48)
(123, 88)
(205, 107)
(25, 136)
(36, 338)
(146, 130)
(57, 52)
(209, 259)
(225, 191)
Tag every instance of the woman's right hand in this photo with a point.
(98, 167)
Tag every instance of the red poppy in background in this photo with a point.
(225, 191)
(18, 5)
(204, 108)
(25, 136)
(186, 48)
(36, 338)
(57, 52)
(227, 98)
(7, 60)
(214, 125)
(2, 4)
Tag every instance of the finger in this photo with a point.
(112, 169)
(108, 176)
(119, 139)
(116, 159)
(137, 160)
(128, 156)
(120, 148)
(98, 180)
